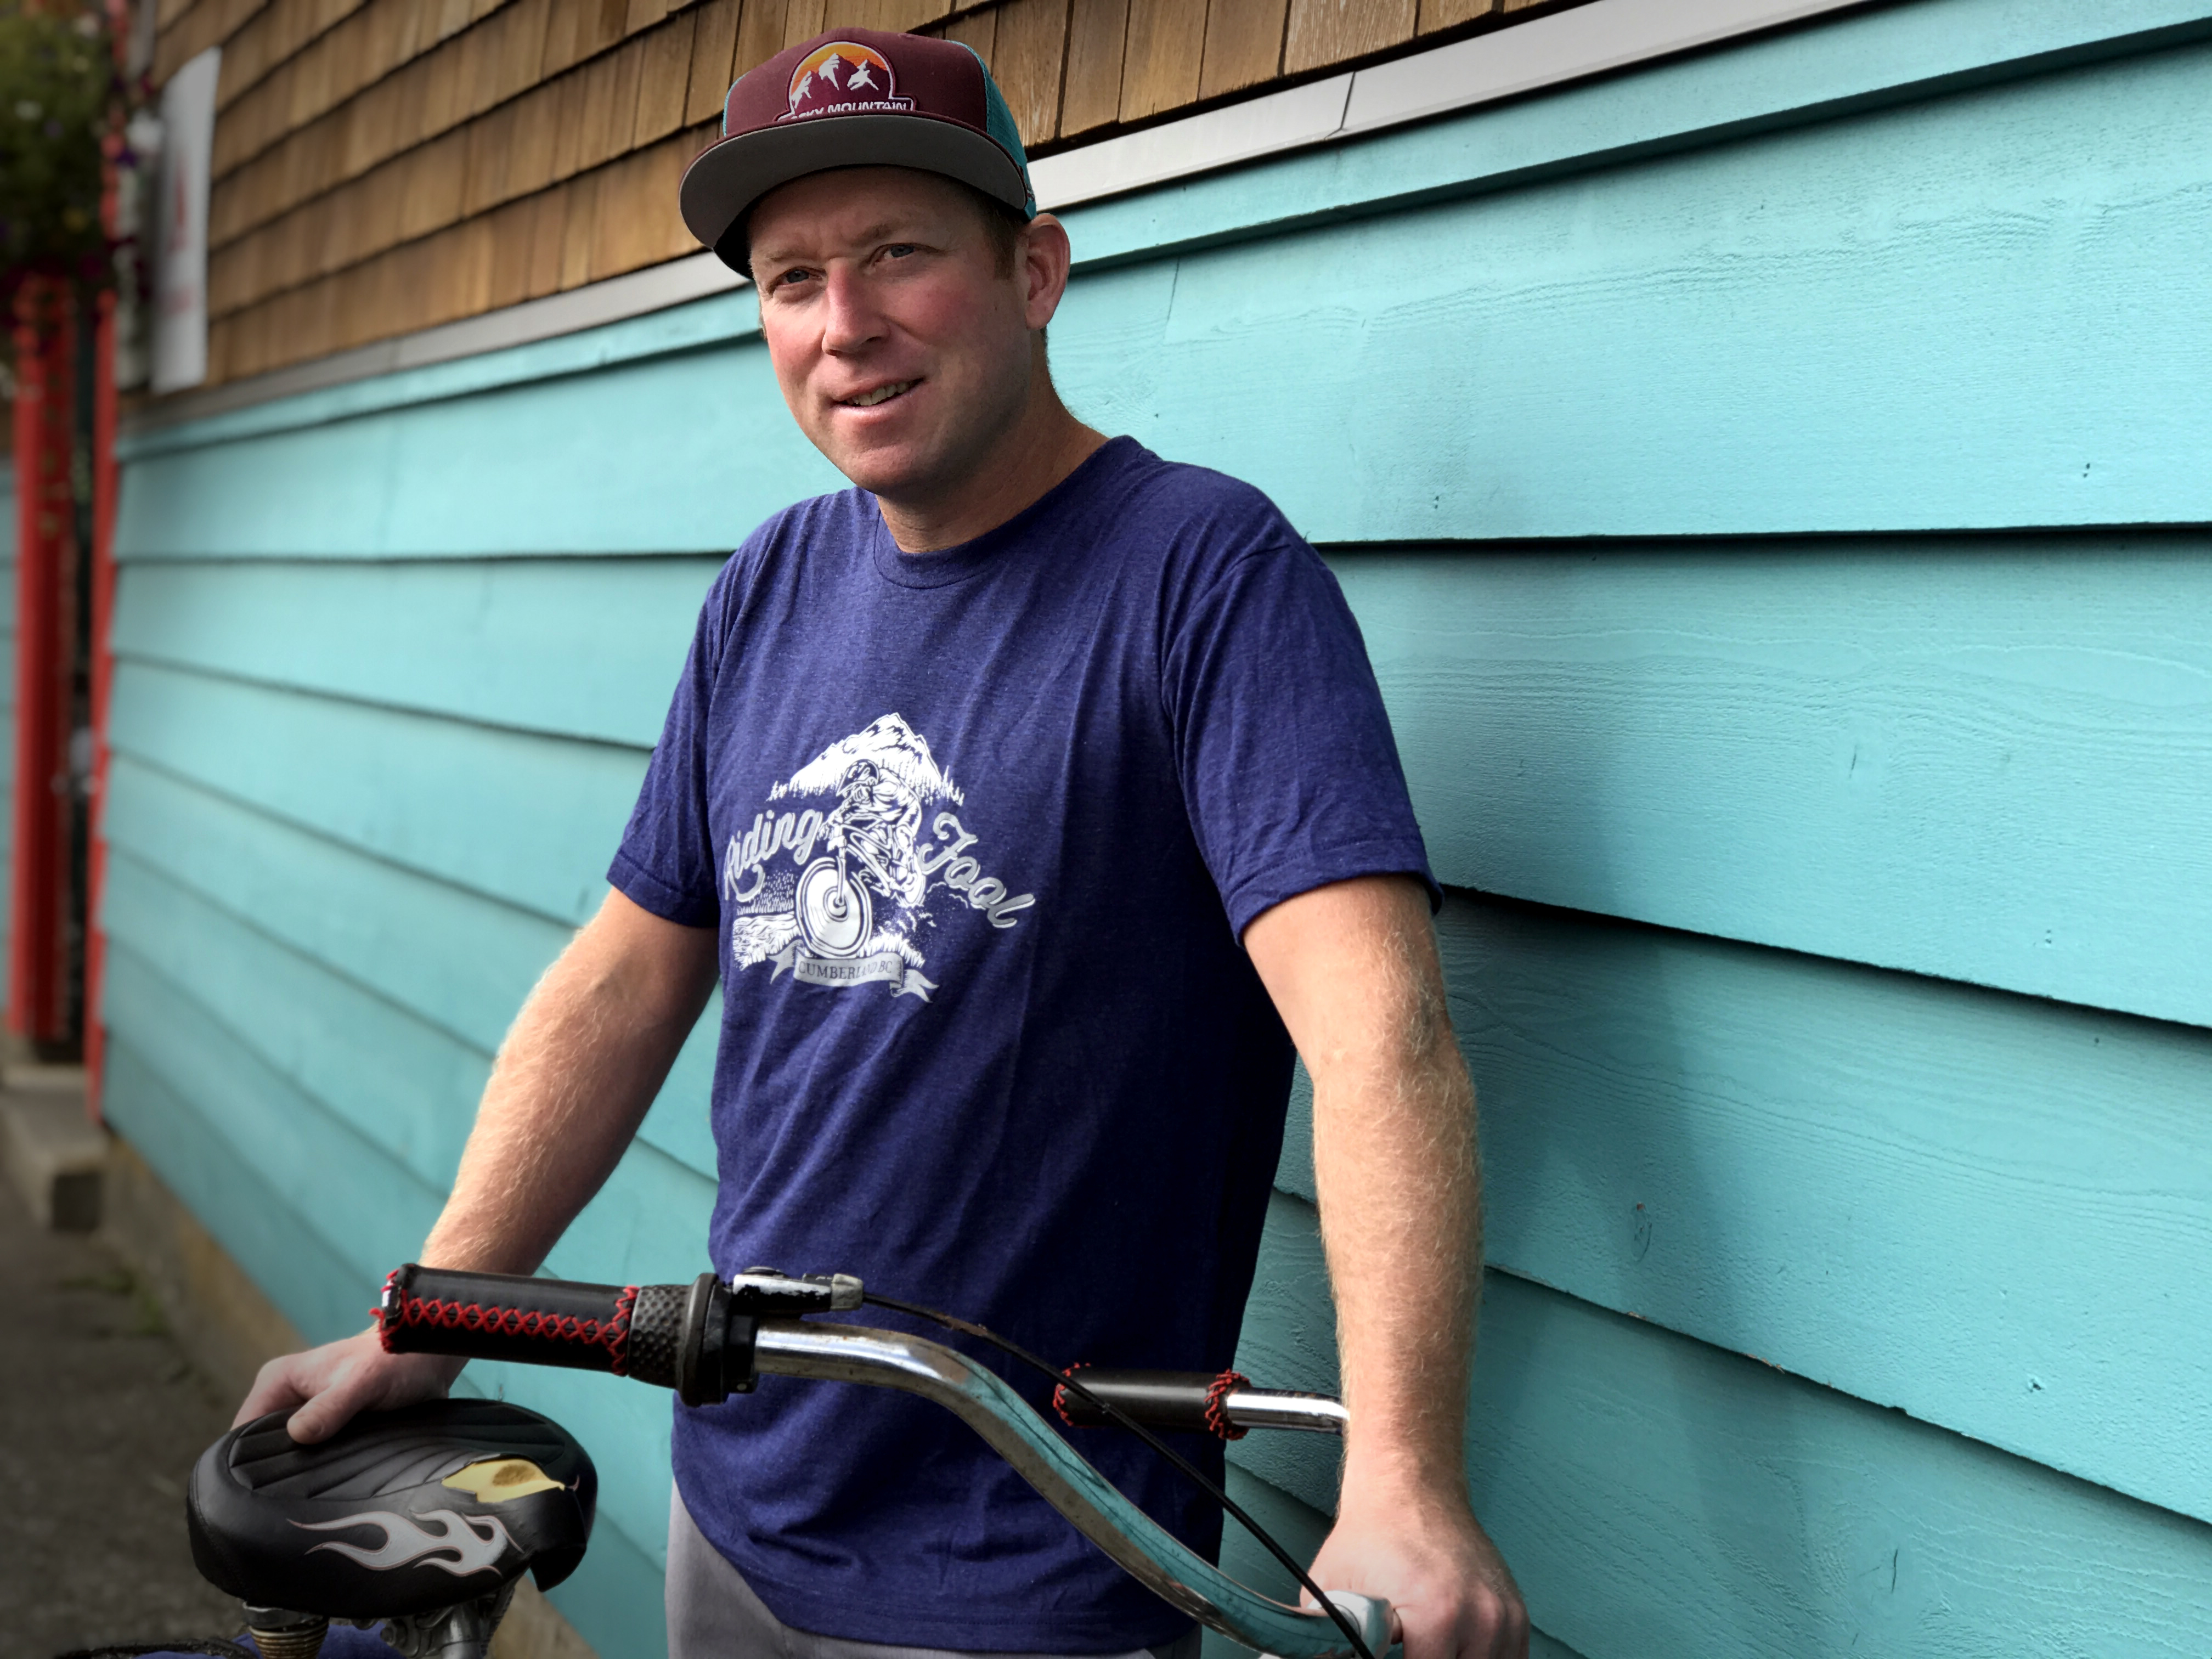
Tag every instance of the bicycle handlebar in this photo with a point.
(709, 1340)
(678, 1336)
(627, 1329)
(1201, 1403)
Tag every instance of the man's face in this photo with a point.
(903, 351)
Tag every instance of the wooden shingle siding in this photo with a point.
(1773, 499)
(1243, 45)
(384, 166)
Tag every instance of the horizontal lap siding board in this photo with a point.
(456, 962)
(525, 819)
(468, 638)
(255, 1215)
(1658, 1496)
(457, 959)
(682, 455)
(1964, 759)
(360, 727)
(410, 1098)
(392, 1078)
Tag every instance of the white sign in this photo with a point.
(180, 209)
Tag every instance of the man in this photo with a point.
(1031, 800)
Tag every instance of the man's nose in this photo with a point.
(850, 319)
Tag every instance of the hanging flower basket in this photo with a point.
(62, 102)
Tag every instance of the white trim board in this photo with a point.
(1574, 45)
(1585, 40)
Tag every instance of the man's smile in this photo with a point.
(874, 395)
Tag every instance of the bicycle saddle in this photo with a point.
(399, 1512)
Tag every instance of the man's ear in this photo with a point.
(1042, 262)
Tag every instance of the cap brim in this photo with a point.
(730, 176)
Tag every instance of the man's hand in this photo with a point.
(1444, 1578)
(329, 1384)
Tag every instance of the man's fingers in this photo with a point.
(1487, 1625)
(322, 1416)
(326, 1385)
(1517, 1629)
(1496, 1627)
(274, 1390)
(347, 1388)
(1428, 1637)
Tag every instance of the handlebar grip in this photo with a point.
(1158, 1400)
(631, 1330)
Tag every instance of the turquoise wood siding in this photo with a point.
(1773, 487)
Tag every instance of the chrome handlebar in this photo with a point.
(1279, 1408)
(1139, 1545)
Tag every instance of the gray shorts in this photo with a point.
(713, 1613)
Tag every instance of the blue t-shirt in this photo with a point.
(979, 831)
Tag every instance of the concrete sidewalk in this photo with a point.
(100, 1417)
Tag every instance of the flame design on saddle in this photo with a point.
(459, 1548)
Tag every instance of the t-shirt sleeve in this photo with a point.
(1288, 766)
(665, 863)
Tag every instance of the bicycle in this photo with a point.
(422, 1520)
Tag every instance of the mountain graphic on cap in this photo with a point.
(842, 76)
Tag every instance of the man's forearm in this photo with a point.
(1402, 1222)
(1397, 1171)
(584, 1058)
(1353, 969)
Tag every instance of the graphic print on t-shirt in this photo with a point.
(833, 876)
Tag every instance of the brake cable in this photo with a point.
(1073, 1385)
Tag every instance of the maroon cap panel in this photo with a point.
(851, 98)
(859, 72)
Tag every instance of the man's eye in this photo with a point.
(899, 250)
(791, 279)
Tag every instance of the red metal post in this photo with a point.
(45, 374)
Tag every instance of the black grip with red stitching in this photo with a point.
(628, 1329)
(1158, 1400)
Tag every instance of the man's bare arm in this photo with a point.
(1353, 971)
(578, 1070)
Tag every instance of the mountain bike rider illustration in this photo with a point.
(875, 822)
(870, 831)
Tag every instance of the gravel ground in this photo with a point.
(100, 1418)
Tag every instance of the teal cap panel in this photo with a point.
(1000, 125)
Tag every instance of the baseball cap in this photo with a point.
(854, 98)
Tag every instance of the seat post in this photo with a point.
(461, 1631)
(280, 1633)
